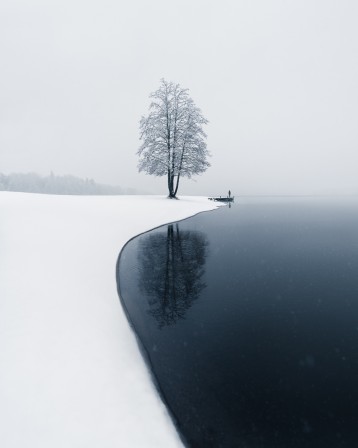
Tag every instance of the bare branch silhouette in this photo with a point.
(171, 267)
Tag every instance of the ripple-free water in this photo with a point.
(249, 318)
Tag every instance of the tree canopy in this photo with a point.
(174, 142)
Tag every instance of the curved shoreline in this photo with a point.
(144, 352)
(72, 371)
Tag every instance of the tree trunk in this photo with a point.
(169, 182)
(171, 185)
(177, 185)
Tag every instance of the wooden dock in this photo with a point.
(220, 199)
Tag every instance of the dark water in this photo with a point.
(249, 319)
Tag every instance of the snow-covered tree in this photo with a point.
(173, 138)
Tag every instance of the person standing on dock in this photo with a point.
(229, 194)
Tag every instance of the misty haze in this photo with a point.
(276, 80)
(52, 184)
(128, 316)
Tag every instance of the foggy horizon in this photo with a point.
(277, 82)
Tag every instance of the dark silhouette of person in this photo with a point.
(229, 194)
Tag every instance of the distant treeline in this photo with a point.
(33, 183)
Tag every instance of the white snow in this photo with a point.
(71, 374)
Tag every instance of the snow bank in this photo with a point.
(71, 374)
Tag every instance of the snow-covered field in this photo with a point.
(71, 374)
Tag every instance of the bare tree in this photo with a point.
(173, 137)
(171, 268)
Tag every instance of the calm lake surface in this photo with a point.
(248, 317)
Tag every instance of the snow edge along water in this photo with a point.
(144, 352)
(73, 375)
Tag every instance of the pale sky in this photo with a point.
(277, 80)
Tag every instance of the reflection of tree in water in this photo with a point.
(171, 266)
